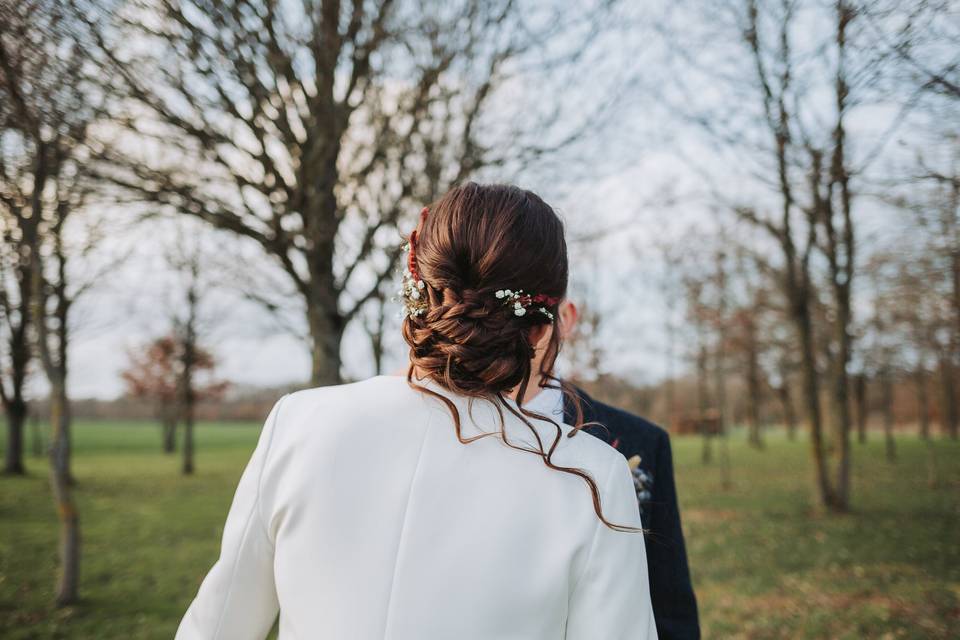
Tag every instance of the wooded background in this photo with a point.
(762, 200)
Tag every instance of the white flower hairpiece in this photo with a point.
(413, 295)
(521, 302)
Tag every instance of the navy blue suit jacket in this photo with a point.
(674, 603)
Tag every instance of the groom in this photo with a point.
(647, 449)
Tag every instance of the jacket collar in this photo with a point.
(481, 416)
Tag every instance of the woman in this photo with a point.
(436, 507)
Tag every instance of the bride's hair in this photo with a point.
(493, 262)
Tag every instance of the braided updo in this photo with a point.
(476, 241)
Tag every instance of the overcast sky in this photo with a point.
(636, 180)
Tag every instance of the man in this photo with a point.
(647, 448)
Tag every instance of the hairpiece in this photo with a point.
(414, 299)
(521, 302)
(411, 286)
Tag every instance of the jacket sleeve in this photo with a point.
(237, 600)
(671, 590)
(611, 599)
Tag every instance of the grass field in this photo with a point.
(766, 563)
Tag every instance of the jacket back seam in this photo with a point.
(403, 527)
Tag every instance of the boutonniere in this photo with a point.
(642, 482)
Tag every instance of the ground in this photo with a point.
(766, 562)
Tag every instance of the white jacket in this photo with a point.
(361, 516)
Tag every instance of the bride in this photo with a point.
(436, 506)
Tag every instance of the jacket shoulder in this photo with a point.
(622, 423)
(377, 389)
(345, 406)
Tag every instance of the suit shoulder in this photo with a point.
(620, 422)
(590, 447)
(589, 453)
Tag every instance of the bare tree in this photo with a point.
(861, 404)
(584, 350)
(375, 325)
(884, 356)
(777, 352)
(46, 108)
(772, 120)
(668, 286)
(921, 36)
(746, 342)
(720, 324)
(705, 280)
(752, 326)
(912, 326)
(923, 43)
(53, 301)
(187, 332)
(29, 158)
(314, 129)
(190, 358)
(698, 316)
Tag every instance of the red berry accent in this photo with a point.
(412, 258)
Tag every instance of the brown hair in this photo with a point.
(475, 241)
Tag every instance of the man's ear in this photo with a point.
(538, 333)
(568, 318)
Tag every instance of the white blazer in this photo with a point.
(361, 516)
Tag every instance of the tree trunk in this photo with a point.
(839, 251)
(933, 464)
(719, 375)
(69, 548)
(948, 399)
(377, 346)
(706, 454)
(187, 402)
(811, 398)
(754, 399)
(16, 411)
(326, 333)
(923, 412)
(860, 398)
(888, 417)
(188, 466)
(169, 426)
(187, 394)
(377, 334)
(669, 419)
(36, 436)
(841, 402)
(324, 319)
(786, 405)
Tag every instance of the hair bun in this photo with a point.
(476, 241)
(467, 303)
(467, 335)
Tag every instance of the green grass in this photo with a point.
(766, 562)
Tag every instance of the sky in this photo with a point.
(635, 181)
